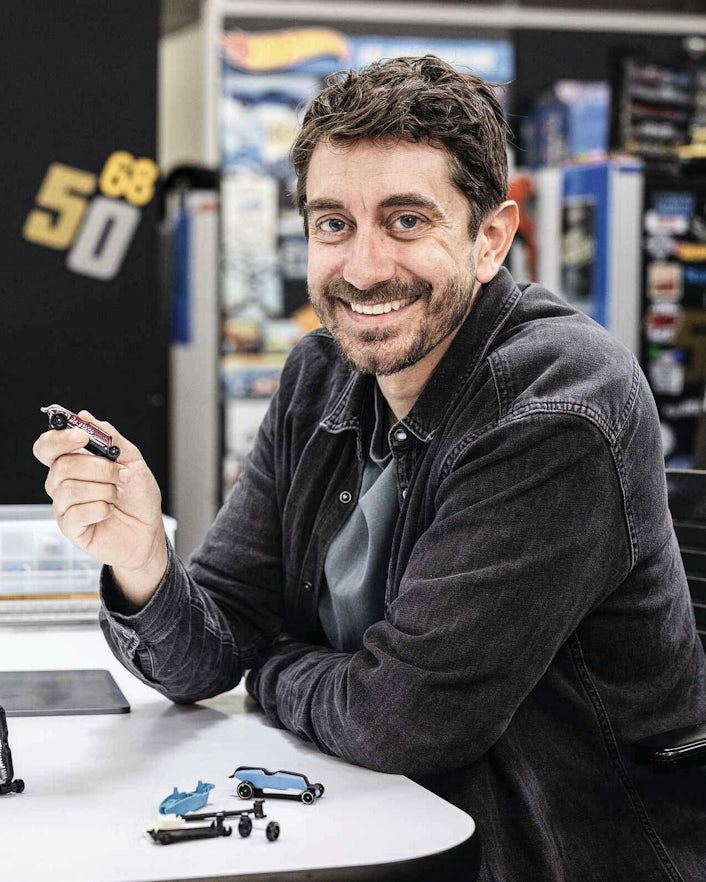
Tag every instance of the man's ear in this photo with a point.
(494, 239)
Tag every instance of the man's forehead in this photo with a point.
(388, 174)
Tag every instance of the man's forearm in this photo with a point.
(179, 642)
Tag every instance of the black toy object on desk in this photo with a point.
(100, 442)
(7, 785)
(177, 831)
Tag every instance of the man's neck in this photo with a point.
(402, 389)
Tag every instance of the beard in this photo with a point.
(388, 350)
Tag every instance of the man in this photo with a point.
(450, 554)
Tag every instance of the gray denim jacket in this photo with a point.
(537, 617)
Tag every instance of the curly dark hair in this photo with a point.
(420, 100)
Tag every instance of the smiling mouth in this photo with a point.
(381, 308)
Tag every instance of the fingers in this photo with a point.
(80, 472)
(71, 493)
(53, 444)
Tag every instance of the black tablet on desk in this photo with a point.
(52, 693)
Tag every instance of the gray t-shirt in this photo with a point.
(358, 557)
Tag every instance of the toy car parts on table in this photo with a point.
(179, 802)
(177, 830)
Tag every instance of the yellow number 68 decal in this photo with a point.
(133, 179)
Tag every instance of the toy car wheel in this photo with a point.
(244, 826)
(245, 790)
(114, 451)
(272, 831)
(58, 421)
(307, 797)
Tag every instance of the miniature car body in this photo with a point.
(178, 803)
(100, 442)
(279, 785)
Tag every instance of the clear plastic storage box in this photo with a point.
(40, 569)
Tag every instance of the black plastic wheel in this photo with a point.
(114, 451)
(58, 421)
(244, 826)
(244, 790)
(272, 831)
(307, 797)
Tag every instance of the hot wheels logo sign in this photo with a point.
(284, 49)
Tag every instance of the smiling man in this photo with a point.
(449, 555)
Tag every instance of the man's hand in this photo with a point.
(111, 510)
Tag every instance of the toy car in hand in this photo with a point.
(279, 785)
(99, 442)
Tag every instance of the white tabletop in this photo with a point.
(94, 782)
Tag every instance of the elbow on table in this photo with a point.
(411, 747)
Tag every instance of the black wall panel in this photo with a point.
(79, 85)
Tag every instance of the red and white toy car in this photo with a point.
(100, 442)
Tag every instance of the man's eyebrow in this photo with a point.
(411, 200)
(322, 205)
(396, 200)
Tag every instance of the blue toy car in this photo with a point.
(253, 781)
(178, 803)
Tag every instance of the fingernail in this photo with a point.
(124, 476)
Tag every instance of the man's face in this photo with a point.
(391, 262)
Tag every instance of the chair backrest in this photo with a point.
(686, 490)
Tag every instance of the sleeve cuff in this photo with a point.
(156, 617)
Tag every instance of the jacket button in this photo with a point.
(308, 586)
(400, 435)
(345, 497)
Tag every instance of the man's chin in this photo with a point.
(371, 358)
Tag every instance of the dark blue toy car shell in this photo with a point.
(253, 781)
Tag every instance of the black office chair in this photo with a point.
(686, 491)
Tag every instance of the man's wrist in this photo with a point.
(138, 585)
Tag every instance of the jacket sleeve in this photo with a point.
(528, 535)
(207, 621)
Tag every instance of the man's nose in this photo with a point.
(369, 260)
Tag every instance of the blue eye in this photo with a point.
(333, 225)
(408, 221)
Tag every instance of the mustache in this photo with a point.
(382, 292)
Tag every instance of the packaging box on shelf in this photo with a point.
(42, 574)
(571, 120)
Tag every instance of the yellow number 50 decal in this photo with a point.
(62, 201)
(98, 229)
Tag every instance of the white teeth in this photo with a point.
(380, 308)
